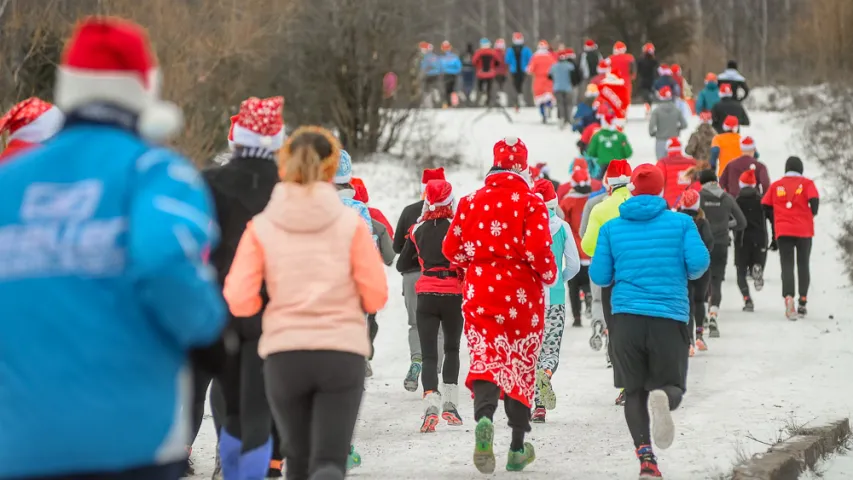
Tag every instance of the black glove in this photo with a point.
(774, 246)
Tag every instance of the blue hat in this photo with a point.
(485, 43)
(344, 173)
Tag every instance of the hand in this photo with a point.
(773, 246)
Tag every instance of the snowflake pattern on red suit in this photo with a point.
(500, 237)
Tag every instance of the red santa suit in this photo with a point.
(614, 93)
(622, 64)
(676, 170)
(500, 237)
(540, 68)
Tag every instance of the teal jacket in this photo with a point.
(708, 97)
(566, 253)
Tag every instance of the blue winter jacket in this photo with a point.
(566, 254)
(708, 97)
(648, 253)
(450, 64)
(431, 65)
(561, 74)
(104, 291)
(514, 67)
(584, 117)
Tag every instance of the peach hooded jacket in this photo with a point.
(321, 268)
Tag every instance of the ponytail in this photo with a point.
(310, 155)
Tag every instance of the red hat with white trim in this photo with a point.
(431, 174)
(517, 38)
(446, 46)
(747, 144)
(649, 48)
(731, 123)
(110, 60)
(544, 189)
(689, 200)
(500, 44)
(437, 193)
(580, 176)
(32, 120)
(619, 48)
(618, 173)
(259, 124)
(603, 67)
(589, 45)
(510, 154)
(665, 93)
(647, 179)
(747, 178)
(542, 45)
(673, 145)
(726, 90)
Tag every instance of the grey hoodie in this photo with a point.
(722, 212)
(666, 121)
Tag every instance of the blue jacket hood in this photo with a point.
(642, 208)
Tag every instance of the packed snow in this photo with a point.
(763, 371)
(835, 467)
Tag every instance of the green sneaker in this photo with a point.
(354, 459)
(516, 461)
(484, 455)
(545, 390)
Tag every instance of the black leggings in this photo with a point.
(747, 256)
(201, 382)
(637, 412)
(247, 414)
(803, 248)
(484, 87)
(579, 283)
(719, 257)
(315, 396)
(434, 312)
(486, 396)
(518, 82)
(373, 327)
(697, 291)
(449, 88)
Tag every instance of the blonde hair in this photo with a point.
(310, 155)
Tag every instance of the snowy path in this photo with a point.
(762, 371)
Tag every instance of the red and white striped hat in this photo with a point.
(747, 144)
(673, 145)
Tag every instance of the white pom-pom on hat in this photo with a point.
(752, 167)
(159, 121)
(432, 208)
(511, 140)
(631, 187)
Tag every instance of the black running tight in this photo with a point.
(788, 246)
(436, 312)
(637, 412)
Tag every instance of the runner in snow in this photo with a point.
(665, 79)
(110, 328)
(518, 59)
(683, 92)
(543, 87)
(725, 146)
(314, 350)
(486, 62)
(666, 122)
(451, 67)
(709, 96)
(469, 72)
(647, 71)
(566, 253)
(732, 77)
(730, 179)
(623, 65)
(650, 313)
(674, 167)
(507, 258)
(502, 70)
(697, 288)
(241, 189)
(431, 72)
(408, 218)
(589, 61)
(439, 292)
(561, 73)
(791, 203)
(617, 177)
(28, 124)
(608, 144)
(750, 243)
(723, 214)
(585, 112)
(572, 206)
(726, 107)
(699, 145)
(601, 71)
(615, 96)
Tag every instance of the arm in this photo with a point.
(383, 241)
(408, 257)
(590, 237)
(692, 144)
(707, 235)
(629, 151)
(587, 209)
(401, 232)
(537, 241)
(367, 270)
(601, 269)
(592, 148)
(570, 254)
(715, 155)
(682, 122)
(738, 223)
(724, 177)
(653, 123)
(744, 118)
(170, 228)
(696, 256)
(243, 284)
(814, 198)
(763, 178)
(745, 88)
(700, 102)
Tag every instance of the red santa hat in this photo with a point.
(431, 174)
(567, 53)
(437, 193)
(360, 190)
(543, 168)
(544, 189)
(591, 90)
(665, 93)
(619, 48)
(726, 90)
(510, 154)
(32, 120)
(542, 45)
(706, 117)
(689, 200)
(747, 144)
(259, 124)
(649, 48)
(580, 176)
(580, 162)
(730, 124)
(676, 69)
(647, 179)
(500, 44)
(517, 38)
(673, 145)
(664, 70)
(110, 60)
(589, 45)
(747, 178)
(603, 67)
(446, 46)
(535, 173)
(424, 47)
(618, 173)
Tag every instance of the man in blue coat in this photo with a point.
(648, 254)
(517, 58)
(451, 67)
(102, 276)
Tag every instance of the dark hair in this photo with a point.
(470, 48)
(707, 176)
(794, 164)
(732, 64)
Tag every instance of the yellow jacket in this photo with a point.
(601, 214)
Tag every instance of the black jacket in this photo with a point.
(408, 217)
(703, 226)
(647, 71)
(755, 233)
(722, 212)
(425, 249)
(724, 108)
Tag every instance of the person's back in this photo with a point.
(673, 166)
(699, 144)
(608, 144)
(728, 106)
(647, 70)
(666, 80)
(730, 178)
(708, 97)
(725, 146)
(749, 201)
(622, 65)
(666, 120)
(734, 79)
(561, 73)
(486, 61)
(721, 211)
(618, 176)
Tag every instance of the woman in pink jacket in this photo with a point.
(320, 268)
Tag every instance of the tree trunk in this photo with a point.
(484, 18)
(502, 18)
(764, 35)
(448, 14)
(536, 36)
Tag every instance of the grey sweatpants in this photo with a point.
(410, 298)
(597, 307)
(564, 105)
(660, 148)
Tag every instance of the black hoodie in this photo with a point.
(749, 201)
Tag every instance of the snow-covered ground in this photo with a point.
(836, 467)
(763, 371)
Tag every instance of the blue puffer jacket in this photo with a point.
(431, 65)
(649, 253)
(104, 292)
(584, 117)
(450, 64)
(511, 61)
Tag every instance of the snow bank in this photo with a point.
(785, 99)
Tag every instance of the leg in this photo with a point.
(804, 251)
(486, 395)
(449, 87)
(719, 257)
(574, 292)
(230, 445)
(742, 282)
(667, 344)
(290, 392)
(374, 329)
(518, 419)
(691, 293)
(429, 321)
(255, 416)
(410, 298)
(217, 405)
(786, 257)
(637, 417)
(201, 383)
(452, 324)
(555, 323)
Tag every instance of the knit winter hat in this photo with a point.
(603, 67)
(665, 93)
(517, 38)
(111, 60)
(618, 173)
(647, 179)
(485, 43)
(747, 144)
(707, 176)
(730, 124)
(446, 46)
(580, 177)
(726, 90)
(500, 44)
(544, 189)
(510, 154)
(711, 77)
(431, 174)
(673, 145)
(438, 193)
(689, 200)
(259, 124)
(343, 175)
(747, 178)
(619, 48)
(794, 164)
(589, 45)
(32, 120)
(649, 48)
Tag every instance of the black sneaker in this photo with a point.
(748, 306)
(577, 322)
(587, 300)
(801, 309)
